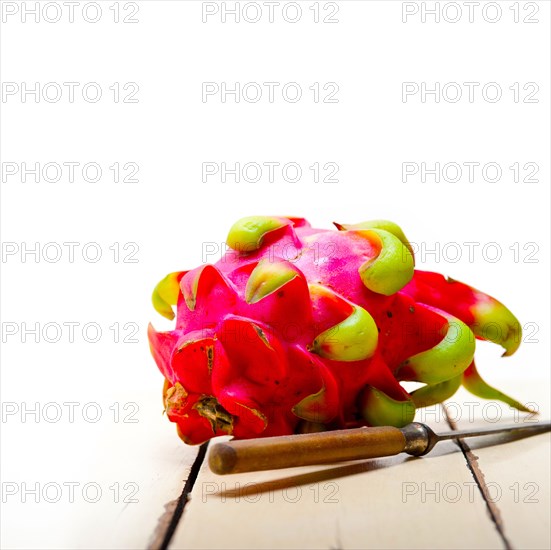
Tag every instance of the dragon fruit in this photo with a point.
(297, 329)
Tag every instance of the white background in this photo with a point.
(171, 212)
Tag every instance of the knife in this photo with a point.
(271, 453)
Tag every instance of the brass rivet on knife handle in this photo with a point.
(420, 439)
(271, 453)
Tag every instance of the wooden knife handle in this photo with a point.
(272, 453)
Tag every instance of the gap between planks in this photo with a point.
(167, 523)
(478, 476)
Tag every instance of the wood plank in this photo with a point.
(145, 462)
(161, 463)
(382, 503)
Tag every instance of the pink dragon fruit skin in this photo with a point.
(299, 329)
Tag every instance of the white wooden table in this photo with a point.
(475, 495)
